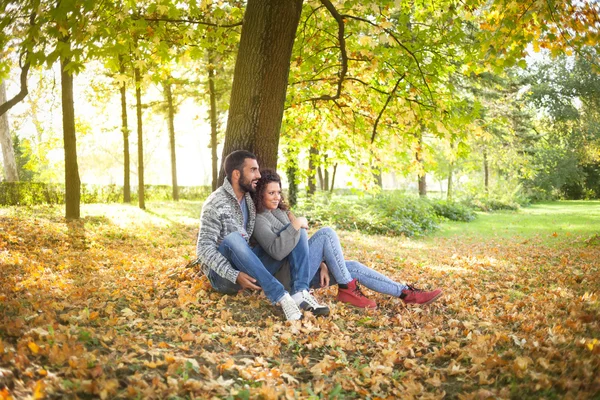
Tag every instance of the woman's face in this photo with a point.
(272, 196)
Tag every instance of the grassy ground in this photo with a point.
(544, 221)
(106, 308)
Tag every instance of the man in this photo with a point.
(223, 250)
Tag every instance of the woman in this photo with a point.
(278, 232)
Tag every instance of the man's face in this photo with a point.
(250, 175)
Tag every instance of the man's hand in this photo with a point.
(247, 282)
(324, 275)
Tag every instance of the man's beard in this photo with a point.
(246, 185)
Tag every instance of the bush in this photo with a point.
(388, 214)
(453, 211)
(32, 193)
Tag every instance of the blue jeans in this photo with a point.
(245, 259)
(324, 245)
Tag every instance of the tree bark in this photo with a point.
(422, 181)
(311, 184)
(125, 130)
(486, 171)
(450, 183)
(333, 178)
(260, 79)
(320, 177)
(72, 182)
(11, 173)
(140, 138)
(171, 119)
(213, 124)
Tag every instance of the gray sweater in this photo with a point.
(222, 215)
(275, 234)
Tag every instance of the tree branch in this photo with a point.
(412, 54)
(385, 106)
(188, 21)
(344, 56)
(23, 79)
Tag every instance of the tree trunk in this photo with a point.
(260, 79)
(138, 107)
(11, 173)
(311, 184)
(171, 112)
(213, 124)
(326, 180)
(486, 171)
(320, 177)
(333, 178)
(292, 198)
(125, 130)
(450, 193)
(72, 182)
(422, 181)
(450, 188)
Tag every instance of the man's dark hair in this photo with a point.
(235, 161)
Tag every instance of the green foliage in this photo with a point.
(387, 214)
(31, 193)
(453, 211)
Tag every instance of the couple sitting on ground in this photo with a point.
(249, 209)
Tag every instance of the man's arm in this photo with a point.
(207, 248)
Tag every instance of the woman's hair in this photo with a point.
(266, 176)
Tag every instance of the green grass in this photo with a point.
(545, 221)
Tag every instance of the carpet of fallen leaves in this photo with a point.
(106, 308)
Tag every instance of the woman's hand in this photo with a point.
(324, 275)
(300, 222)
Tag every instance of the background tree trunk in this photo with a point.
(450, 188)
(140, 137)
(11, 173)
(125, 130)
(260, 79)
(486, 171)
(171, 119)
(422, 181)
(312, 170)
(213, 123)
(333, 178)
(72, 182)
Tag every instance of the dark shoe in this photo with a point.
(413, 295)
(350, 293)
(307, 302)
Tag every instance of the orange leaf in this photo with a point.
(33, 347)
(188, 337)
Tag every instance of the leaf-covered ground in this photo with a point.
(106, 308)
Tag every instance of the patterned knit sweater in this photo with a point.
(222, 215)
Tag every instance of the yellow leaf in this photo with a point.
(39, 390)
(33, 347)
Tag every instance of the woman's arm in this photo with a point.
(276, 245)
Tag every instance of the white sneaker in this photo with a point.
(307, 302)
(290, 309)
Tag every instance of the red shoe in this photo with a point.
(413, 295)
(350, 293)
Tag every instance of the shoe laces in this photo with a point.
(310, 299)
(289, 308)
(413, 289)
(357, 291)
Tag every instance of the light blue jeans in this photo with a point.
(250, 261)
(325, 246)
